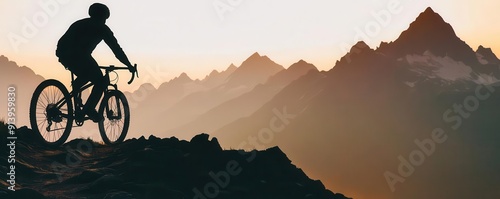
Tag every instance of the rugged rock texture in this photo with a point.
(154, 168)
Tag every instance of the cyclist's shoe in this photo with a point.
(94, 115)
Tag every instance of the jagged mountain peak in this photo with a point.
(429, 10)
(432, 21)
(143, 87)
(254, 70)
(358, 50)
(481, 48)
(486, 56)
(255, 55)
(301, 61)
(214, 72)
(430, 32)
(302, 65)
(361, 46)
(256, 61)
(231, 68)
(182, 78)
(216, 78)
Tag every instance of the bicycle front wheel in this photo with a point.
(116, 112)
(51, 112)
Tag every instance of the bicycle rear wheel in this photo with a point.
(116, 112)
(51, 112)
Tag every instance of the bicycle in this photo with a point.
(52, 112)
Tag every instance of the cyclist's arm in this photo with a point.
(110, 39)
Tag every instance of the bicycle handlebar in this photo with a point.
(135, 73)
(112, 68)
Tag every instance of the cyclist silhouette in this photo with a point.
(74, 51)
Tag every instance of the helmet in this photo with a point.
(99, 10)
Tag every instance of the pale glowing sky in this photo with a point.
(167, 37)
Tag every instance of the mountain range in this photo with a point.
(350, 125)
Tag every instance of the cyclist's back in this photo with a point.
(81, 38)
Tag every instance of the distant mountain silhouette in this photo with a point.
(292, 73)
(172, 91)
(155, 168)
(205, 95)
(140, 94)
(247, 103)
(254, 70)
(182, 79)
(142, 88)
(25, 81)
(216, 78)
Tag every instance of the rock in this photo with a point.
(200, 143)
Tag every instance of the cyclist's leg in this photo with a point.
(86, 69)
(73, 64)
(79, 82)
(92, 73)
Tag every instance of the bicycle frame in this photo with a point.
(75, 94)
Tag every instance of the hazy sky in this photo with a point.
(167, 37)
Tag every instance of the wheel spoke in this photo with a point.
(117, 134)
(53, 95)
(60, 96)
(44, 95)
(49, 95)
(41, 103)
(41, 122)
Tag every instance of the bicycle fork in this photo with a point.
(111, 115)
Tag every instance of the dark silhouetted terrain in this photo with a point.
(154, 168)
